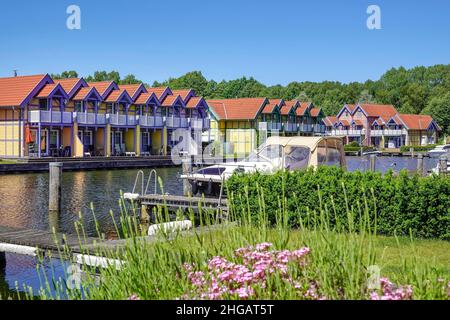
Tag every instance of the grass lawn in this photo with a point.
(2, 161)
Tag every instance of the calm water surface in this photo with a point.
(24, 203)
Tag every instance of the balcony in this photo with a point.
(387, 132)
(274, 126)
(121, 119)
(355, 132)
(196, 123)
(306, 127)
(151, 121)
(290, 127)
(54, 117)
(319, 128)
(90, 118)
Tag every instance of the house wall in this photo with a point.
(10, 135)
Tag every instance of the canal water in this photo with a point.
(24, 203)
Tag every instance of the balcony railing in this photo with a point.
(274, 126)
(290, 127)
(173, 122)
(90, 118)
(319, 128)
(356, 132)
(388, 132)
(151, 121)
(196, 123)
(121, 119)
(44, 116)
(306, 127)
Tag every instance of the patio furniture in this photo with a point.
(130, 154)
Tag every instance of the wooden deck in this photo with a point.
(173, 203)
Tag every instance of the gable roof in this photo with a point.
(171, 100)
(416, 121)
(49, 89)
(15, 91)
(103, 87)
(194, 102)
(303, 108)
(270, 108)
(349, 107)
(329, 121)
(69, 84)
(376, 110)
(85, 93)
(236, 109)
(133, 89)
(185, 94)
(315, 112)
(118, 96)
(146, 98)
(160, 92)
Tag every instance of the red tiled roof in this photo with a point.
(358, 122)
(68, 84)
(416, 121)
(345, 123)
(143, 98)
(131, 88)
(46, 90)
(169, 100)
(269, 108)
(158, 91)
(83, 93)
(279, 102)
(114, 95)
(302, 108)
(183, 93)
(14, 90)
(236, 109)
(193, 102)
(379, 110)
(330, 120)
(101, 86)
(315, 112)
(284, 110)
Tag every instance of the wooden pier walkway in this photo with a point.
(43, 240)
(174, 203)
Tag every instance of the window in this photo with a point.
(43, 105)
(296, 158)
(78, 106)
(109, 108)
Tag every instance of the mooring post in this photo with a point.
(411, 151)
(373, 160)
(187, 169)
(420, 164)
(443, 164)
(2, 262)
(54, 192)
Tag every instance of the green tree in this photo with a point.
(439, 109)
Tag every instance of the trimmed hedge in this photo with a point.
(417, 148)
(402, 203)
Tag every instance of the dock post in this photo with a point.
(443, 164)
(187, 169)
(145, 217)
(2, 262)
(54, 192)
(373, 160)
(420, 164)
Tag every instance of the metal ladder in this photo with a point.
(140, 175)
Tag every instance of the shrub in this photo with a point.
(398, 204)
(417, 148)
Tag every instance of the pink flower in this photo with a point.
(133, 297)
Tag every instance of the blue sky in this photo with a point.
(276, 41)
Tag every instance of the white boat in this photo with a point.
(440, 150)
(289, 153)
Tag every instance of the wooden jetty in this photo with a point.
(174, 203)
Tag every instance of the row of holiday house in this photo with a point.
(40, 116)
(382, 126)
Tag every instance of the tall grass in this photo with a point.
(337, 266)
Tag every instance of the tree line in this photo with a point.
(419, 90)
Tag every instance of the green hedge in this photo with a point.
(401, 202)
(417, 148)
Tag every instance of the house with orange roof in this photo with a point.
(382, 126)
(43, 117)
(244, 123)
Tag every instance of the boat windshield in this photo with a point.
(272, 153)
